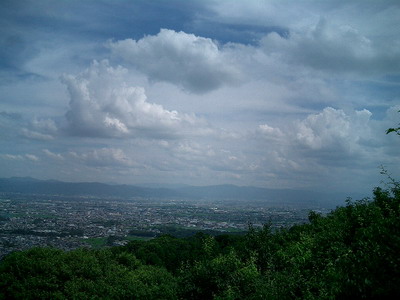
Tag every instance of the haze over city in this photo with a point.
(274, 94)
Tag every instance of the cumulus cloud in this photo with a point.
(102, 104)
(263, 91)
(327, 146)
(333, 129)
(270, 132)
(195, 63)
(327, 139)
(333, 47)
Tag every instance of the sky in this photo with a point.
(275, 94)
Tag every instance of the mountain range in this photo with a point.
(28, 185)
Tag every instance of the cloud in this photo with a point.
(283, 87)
(15, 125)
(333, 130)
(11, 116)
(329, 147)
(209, 158)
(35, 135)
(195, 63)
(12, 157)
(328, 139)
(334, 47)
(8, 123)
(19, 157)
(102, 104)
(53, 155)
(44, 125)
(32, 157)
(270, 132)
(104, 157)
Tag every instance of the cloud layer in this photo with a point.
(293, 94)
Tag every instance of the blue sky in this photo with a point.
(278, 94)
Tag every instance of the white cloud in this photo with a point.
(357, 37)
(255, 12)
(375, 18)
(210, 158)
(270, 132)
(332, 146)
(331, 135)
(104, 157)
(12, 157)
(32, 157)
(30, 134)
(44, 125)
(264, 100)
(15, 125)
(195, 63)
(102, 104)
(334, 47)
(56, 156)
(333, 129)
(19, 157)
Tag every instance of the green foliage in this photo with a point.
(223, 277)
(397, 130)
(353, 252)
(45, 273)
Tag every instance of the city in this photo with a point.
(70, 222)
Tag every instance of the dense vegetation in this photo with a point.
(353, 252)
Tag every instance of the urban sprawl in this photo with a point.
(71, 222)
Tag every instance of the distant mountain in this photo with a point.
(27, 185)
(272, 196)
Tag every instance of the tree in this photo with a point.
(397, 130)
